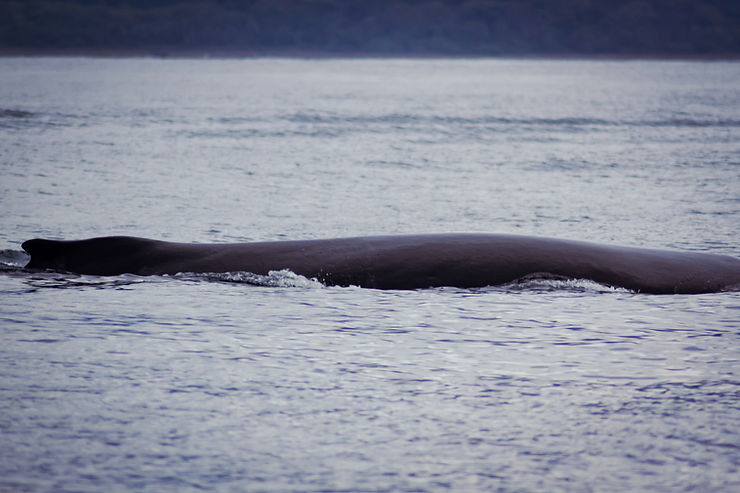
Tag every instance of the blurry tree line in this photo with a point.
(412, 27)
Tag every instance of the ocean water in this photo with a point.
(237, 383)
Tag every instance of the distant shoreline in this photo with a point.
(411, 29)
(239, 54)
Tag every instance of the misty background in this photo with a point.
(380, 27)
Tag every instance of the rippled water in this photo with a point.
(235, 383)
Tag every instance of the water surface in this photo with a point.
(212, 382)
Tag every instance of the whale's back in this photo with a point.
(401, 262)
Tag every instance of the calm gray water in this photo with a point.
(214, 383)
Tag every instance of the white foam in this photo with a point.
(275, 278)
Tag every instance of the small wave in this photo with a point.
(328, 125)
(686, 122)
(275, 278)
(20, 119)
(11, 113)
(10, 268)
(14, 258)
(65, 280)
(540, 282)
(546, 283)
(394, 164)
(570, 121)
(235, 120)
(10, 118)
(408, 119)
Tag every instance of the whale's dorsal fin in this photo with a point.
(39, 247)
(74, 256)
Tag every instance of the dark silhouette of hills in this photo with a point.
(374, 27)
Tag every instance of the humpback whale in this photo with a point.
(401, 262)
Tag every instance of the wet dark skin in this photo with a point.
(401, 262)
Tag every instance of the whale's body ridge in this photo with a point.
(401, 262)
